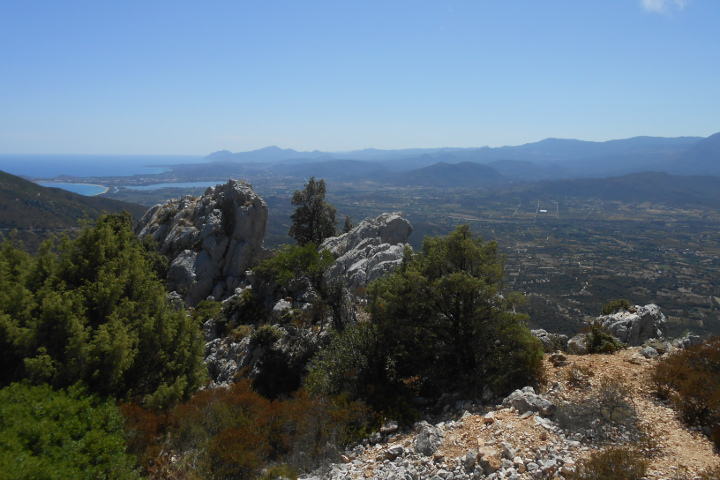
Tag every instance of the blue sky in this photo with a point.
(190, 77)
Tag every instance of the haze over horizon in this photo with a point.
(191, 79)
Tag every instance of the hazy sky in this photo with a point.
(192, 77)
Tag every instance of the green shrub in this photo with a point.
(265, 336)
(615, 306)
(292, 262)
(691, 380)
(617, 463)
(240, 332)
(244, 309)
(60, 435)
(206, 310)
(93, 310)
(600, 341)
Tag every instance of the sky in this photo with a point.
(190, 78)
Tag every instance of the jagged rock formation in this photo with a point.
(371, 250)
(635, 328)
(210, 241)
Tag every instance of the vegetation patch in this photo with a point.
(690, 379)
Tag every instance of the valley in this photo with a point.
(569, 253)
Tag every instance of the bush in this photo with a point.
(265, 336)
(608, 414)
(60, 435)
(600, 341)
(617, 463)
(244, 309)
(205, 310)
(691, 380)
(615, 306)
(236, 433)
(95, 311)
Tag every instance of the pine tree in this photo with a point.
(314, 218)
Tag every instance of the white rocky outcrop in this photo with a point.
(636, 327)
(209, 241)
(371, 250)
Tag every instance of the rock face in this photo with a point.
(634, 328)
(371, 250)
(209, 241)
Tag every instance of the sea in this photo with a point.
(82, 166)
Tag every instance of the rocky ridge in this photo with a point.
(209, 241)
(371, 250)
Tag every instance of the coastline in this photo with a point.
(54, 184)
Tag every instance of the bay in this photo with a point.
(86, 189)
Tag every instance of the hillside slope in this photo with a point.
(37, 211)
(503, 440)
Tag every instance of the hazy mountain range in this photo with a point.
(545, 160)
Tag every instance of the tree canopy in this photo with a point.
(94, 310)
(314, 218)
(61, 435)
(440, 323)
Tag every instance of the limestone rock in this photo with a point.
(577, 345)
(209, 241)
(428, 439)
(634, 328)
(551, 341)
(649, 352)
(526, 400)
(371, 250)
(689, 340)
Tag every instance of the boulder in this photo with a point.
(371, 250)
(577, 345)
(209, 241)
(687, 341)
(635, 328)
(526, 400)
(428, 439)
(551, 341)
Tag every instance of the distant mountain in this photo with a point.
(446, 175)
(703, 158)
(553, 157)
(38, 211)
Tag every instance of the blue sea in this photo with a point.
(157, 186)
(51, 166)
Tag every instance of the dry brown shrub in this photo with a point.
(691, 380)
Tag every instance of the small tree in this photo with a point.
(447, 321)
(314, 218)
(440, 323)
(348, 224)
